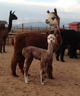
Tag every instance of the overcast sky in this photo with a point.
(35, 10)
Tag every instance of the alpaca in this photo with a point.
(4, 31)
(33, 39)
(71, 38)
(40, 54)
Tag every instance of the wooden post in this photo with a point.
(63, 27)
(14, 28)
(17, 28)
(22, 27)
(50, 27)
(38, 30)
(7, 40)
(31, 28)
(46, 28)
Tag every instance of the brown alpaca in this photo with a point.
(40, 54)
(4, 31)
(33, 39)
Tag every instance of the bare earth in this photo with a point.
(66, 82)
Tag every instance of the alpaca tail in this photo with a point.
(12, 41)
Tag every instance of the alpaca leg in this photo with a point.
(26, 72)
(68, 50)
(4, 48)
(43, 72)
(14, 62)
(42, 75)
(3, 44)
(62, 52)
(62, 55)
(50, 69)
(0, 47)
(21, 63)
(58, 53)
(0, 43)
(26, 68)
(75, 53)
(74, 50)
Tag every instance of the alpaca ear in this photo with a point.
(48, 11)
(13, 12)
(10, 11)
(55, 11)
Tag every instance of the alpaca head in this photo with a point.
(52, 18)
(51, 38)
(12, 16)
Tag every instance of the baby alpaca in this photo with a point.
(40, 54)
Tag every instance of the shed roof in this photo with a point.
(3, 22)
(74, 23)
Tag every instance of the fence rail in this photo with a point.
(17, 30)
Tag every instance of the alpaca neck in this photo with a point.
(50, 49)
(58, 35)
(10, 25)
(60, 39)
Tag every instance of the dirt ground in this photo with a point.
(66, 82)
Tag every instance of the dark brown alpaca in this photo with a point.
(5, 30)
(33, 39)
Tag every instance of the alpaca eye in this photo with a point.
(53, 18)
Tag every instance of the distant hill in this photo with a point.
(37, 24)
(33, 24)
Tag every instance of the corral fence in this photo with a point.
(17, 30)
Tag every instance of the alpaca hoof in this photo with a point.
(26, 82)
(0, 51)
(15, 75)
(29, 75)
(42, 83)
(57, 58)
(71, 57)
(51, 77)
(46, 77)
(76, 57)
(62, 61)
(5, 52)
